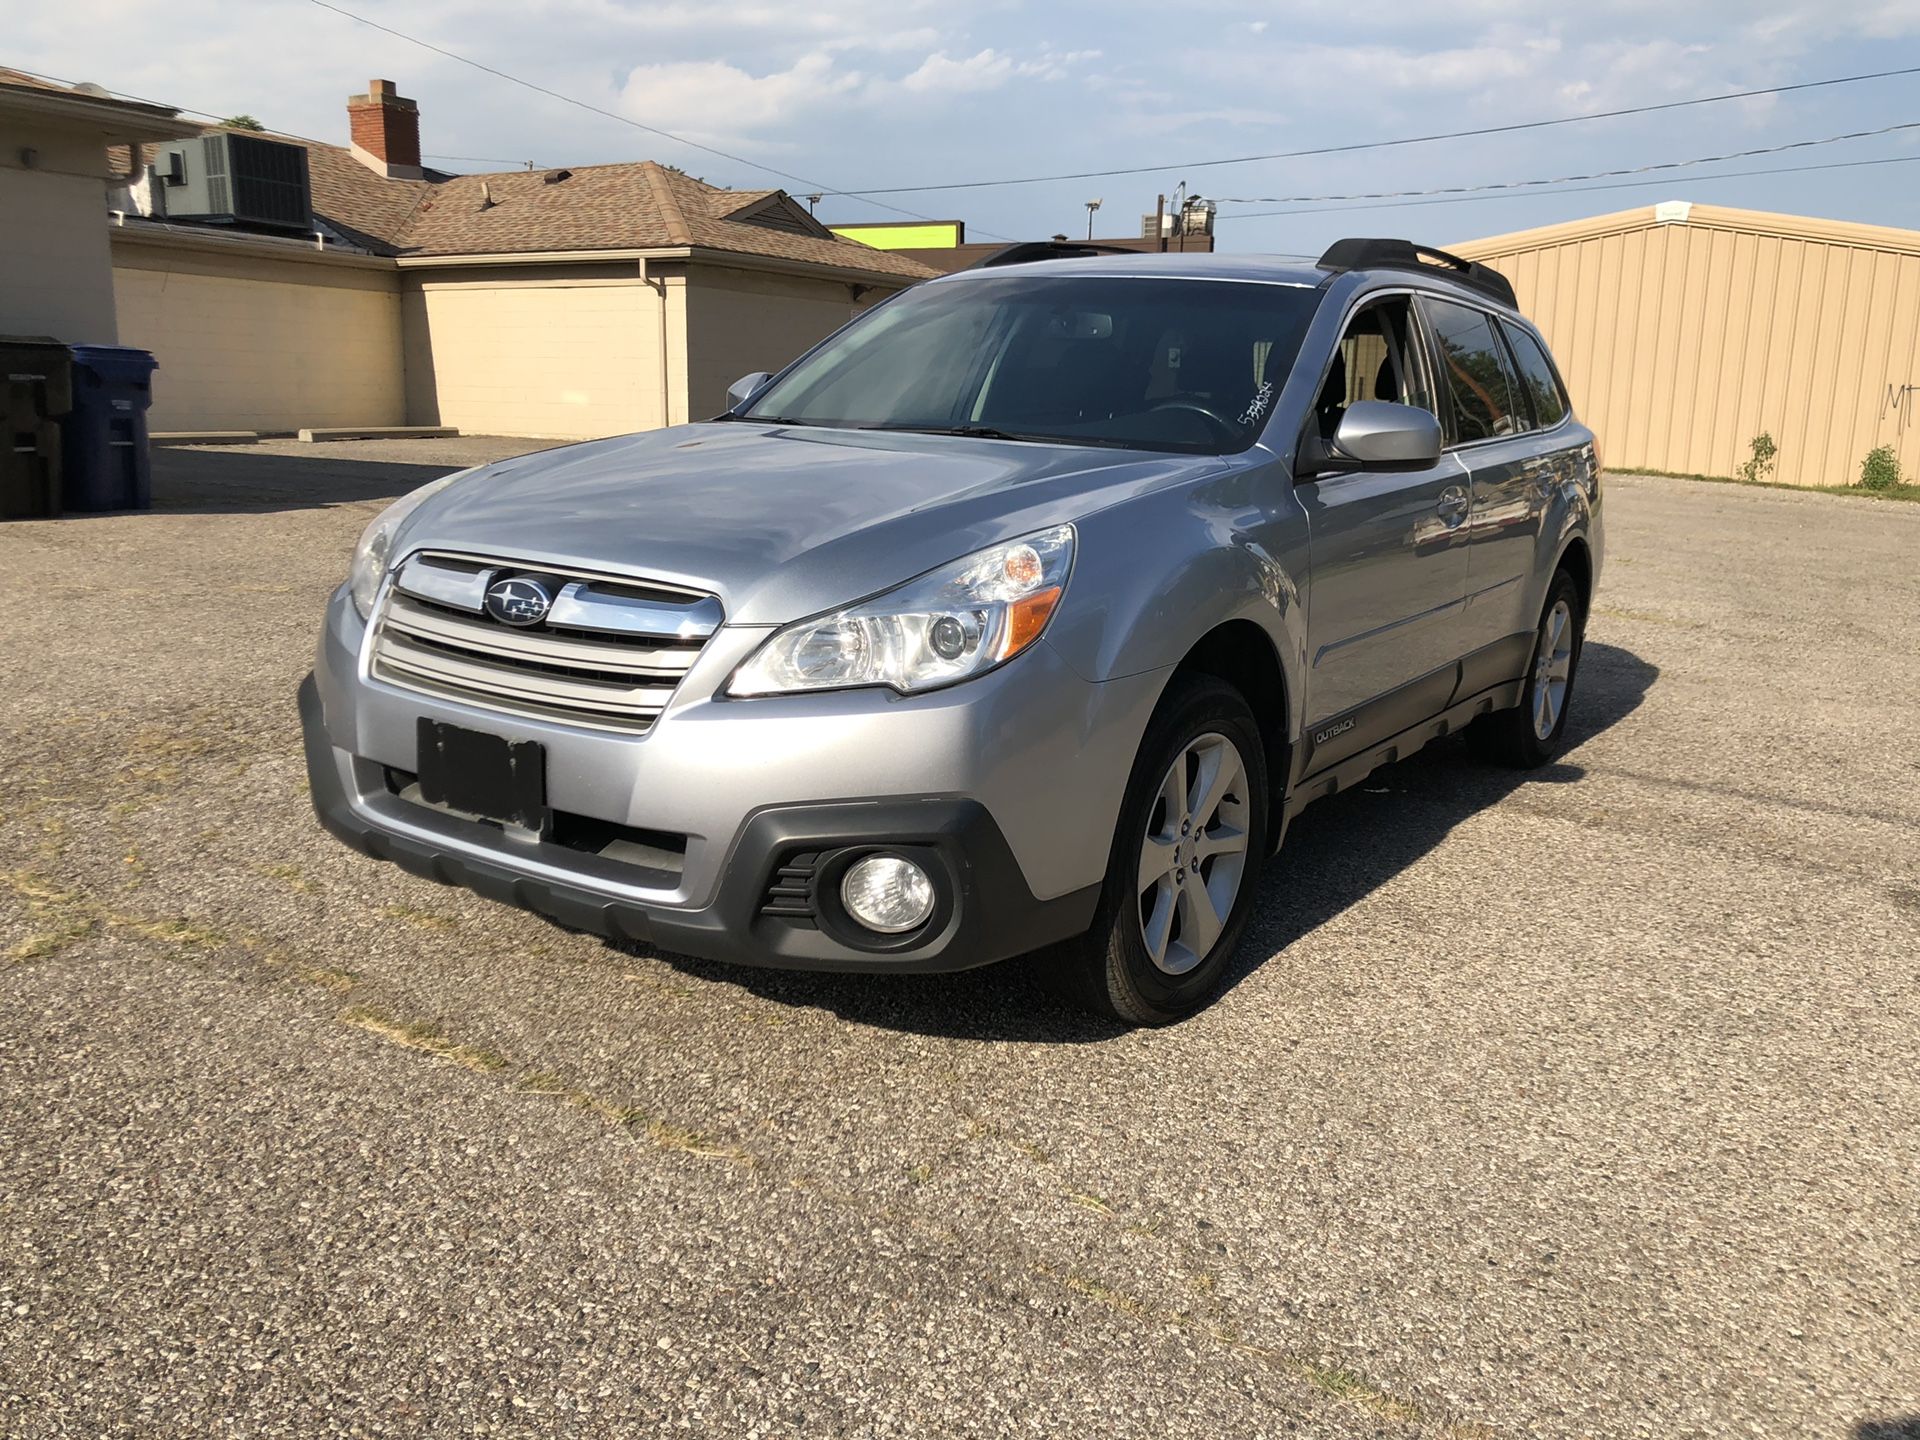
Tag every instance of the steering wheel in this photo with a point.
(1223, 427)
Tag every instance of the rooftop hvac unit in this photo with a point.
(235, 179)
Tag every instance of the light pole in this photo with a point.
(1092, 205)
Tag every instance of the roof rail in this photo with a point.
(1027, 250)
(1405, 255)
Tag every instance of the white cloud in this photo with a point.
(988, 70)
(711, 99)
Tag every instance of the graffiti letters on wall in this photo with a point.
(1899, 403)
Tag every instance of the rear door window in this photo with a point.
(1483, 403)
(1537, 380)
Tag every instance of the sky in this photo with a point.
(871, 94)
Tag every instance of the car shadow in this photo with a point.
(1338, 852)
(239, 479)
(1901, 1427)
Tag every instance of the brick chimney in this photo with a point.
(386, 131)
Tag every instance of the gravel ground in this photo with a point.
(1588, 1105)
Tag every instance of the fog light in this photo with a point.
(887, 893)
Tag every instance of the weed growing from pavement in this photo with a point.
(413, 1035)
(1336, 1380)
(979, 1128)
(290, 876)
(1856, 492)
(327, 977)
(1760, 465)
(169, 931)
(431, 1040)
(62, 920)
(1880, 471)
(52, 941)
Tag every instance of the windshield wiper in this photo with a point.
(977, 432)
(766, 419)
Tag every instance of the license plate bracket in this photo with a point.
(486, 776)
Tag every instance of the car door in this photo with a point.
(1389, 571)
(1495, 437)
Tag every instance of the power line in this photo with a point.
(1589, 189)
(162, 104)
(611, 114)
(481, 160)
(1572, 179)
(1389, 144)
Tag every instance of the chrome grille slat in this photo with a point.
(463, 587)
(581, 607)
(609, 653)
(538, 646)
(541, 688)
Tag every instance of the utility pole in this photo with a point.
(1160, 223)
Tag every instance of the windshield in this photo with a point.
(1143, 363)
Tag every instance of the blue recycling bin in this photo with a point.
(106, 461)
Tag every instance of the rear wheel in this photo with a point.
(1184, 866)
(1529, 735)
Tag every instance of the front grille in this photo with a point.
(608, 653)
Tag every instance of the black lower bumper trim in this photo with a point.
(991, 916)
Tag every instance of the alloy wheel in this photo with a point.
(1194, 853)
(1552, 669)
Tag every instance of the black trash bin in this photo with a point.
(38, 375)
(107, 462)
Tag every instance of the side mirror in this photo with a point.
(746, 387)
(1379, 436)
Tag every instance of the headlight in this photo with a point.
(952, 623)
(375, 549)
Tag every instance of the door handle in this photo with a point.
(1453, 504)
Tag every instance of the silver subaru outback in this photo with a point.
(1024, 612)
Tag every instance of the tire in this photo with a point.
(1115, 970)
(1528, 736)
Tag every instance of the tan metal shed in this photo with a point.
(1687, 330)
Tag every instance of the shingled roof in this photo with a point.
(635, 205)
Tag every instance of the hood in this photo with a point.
(780, 522)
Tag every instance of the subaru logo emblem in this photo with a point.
(518, 601)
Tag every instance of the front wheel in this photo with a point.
(1185, 863)
(1528, 735)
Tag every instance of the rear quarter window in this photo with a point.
(1537, 380)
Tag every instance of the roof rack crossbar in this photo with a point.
(1357, 254)
(1025, 251)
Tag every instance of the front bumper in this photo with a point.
(1011, 784)
(988, 913)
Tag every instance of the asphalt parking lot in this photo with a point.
(1587, 1104)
